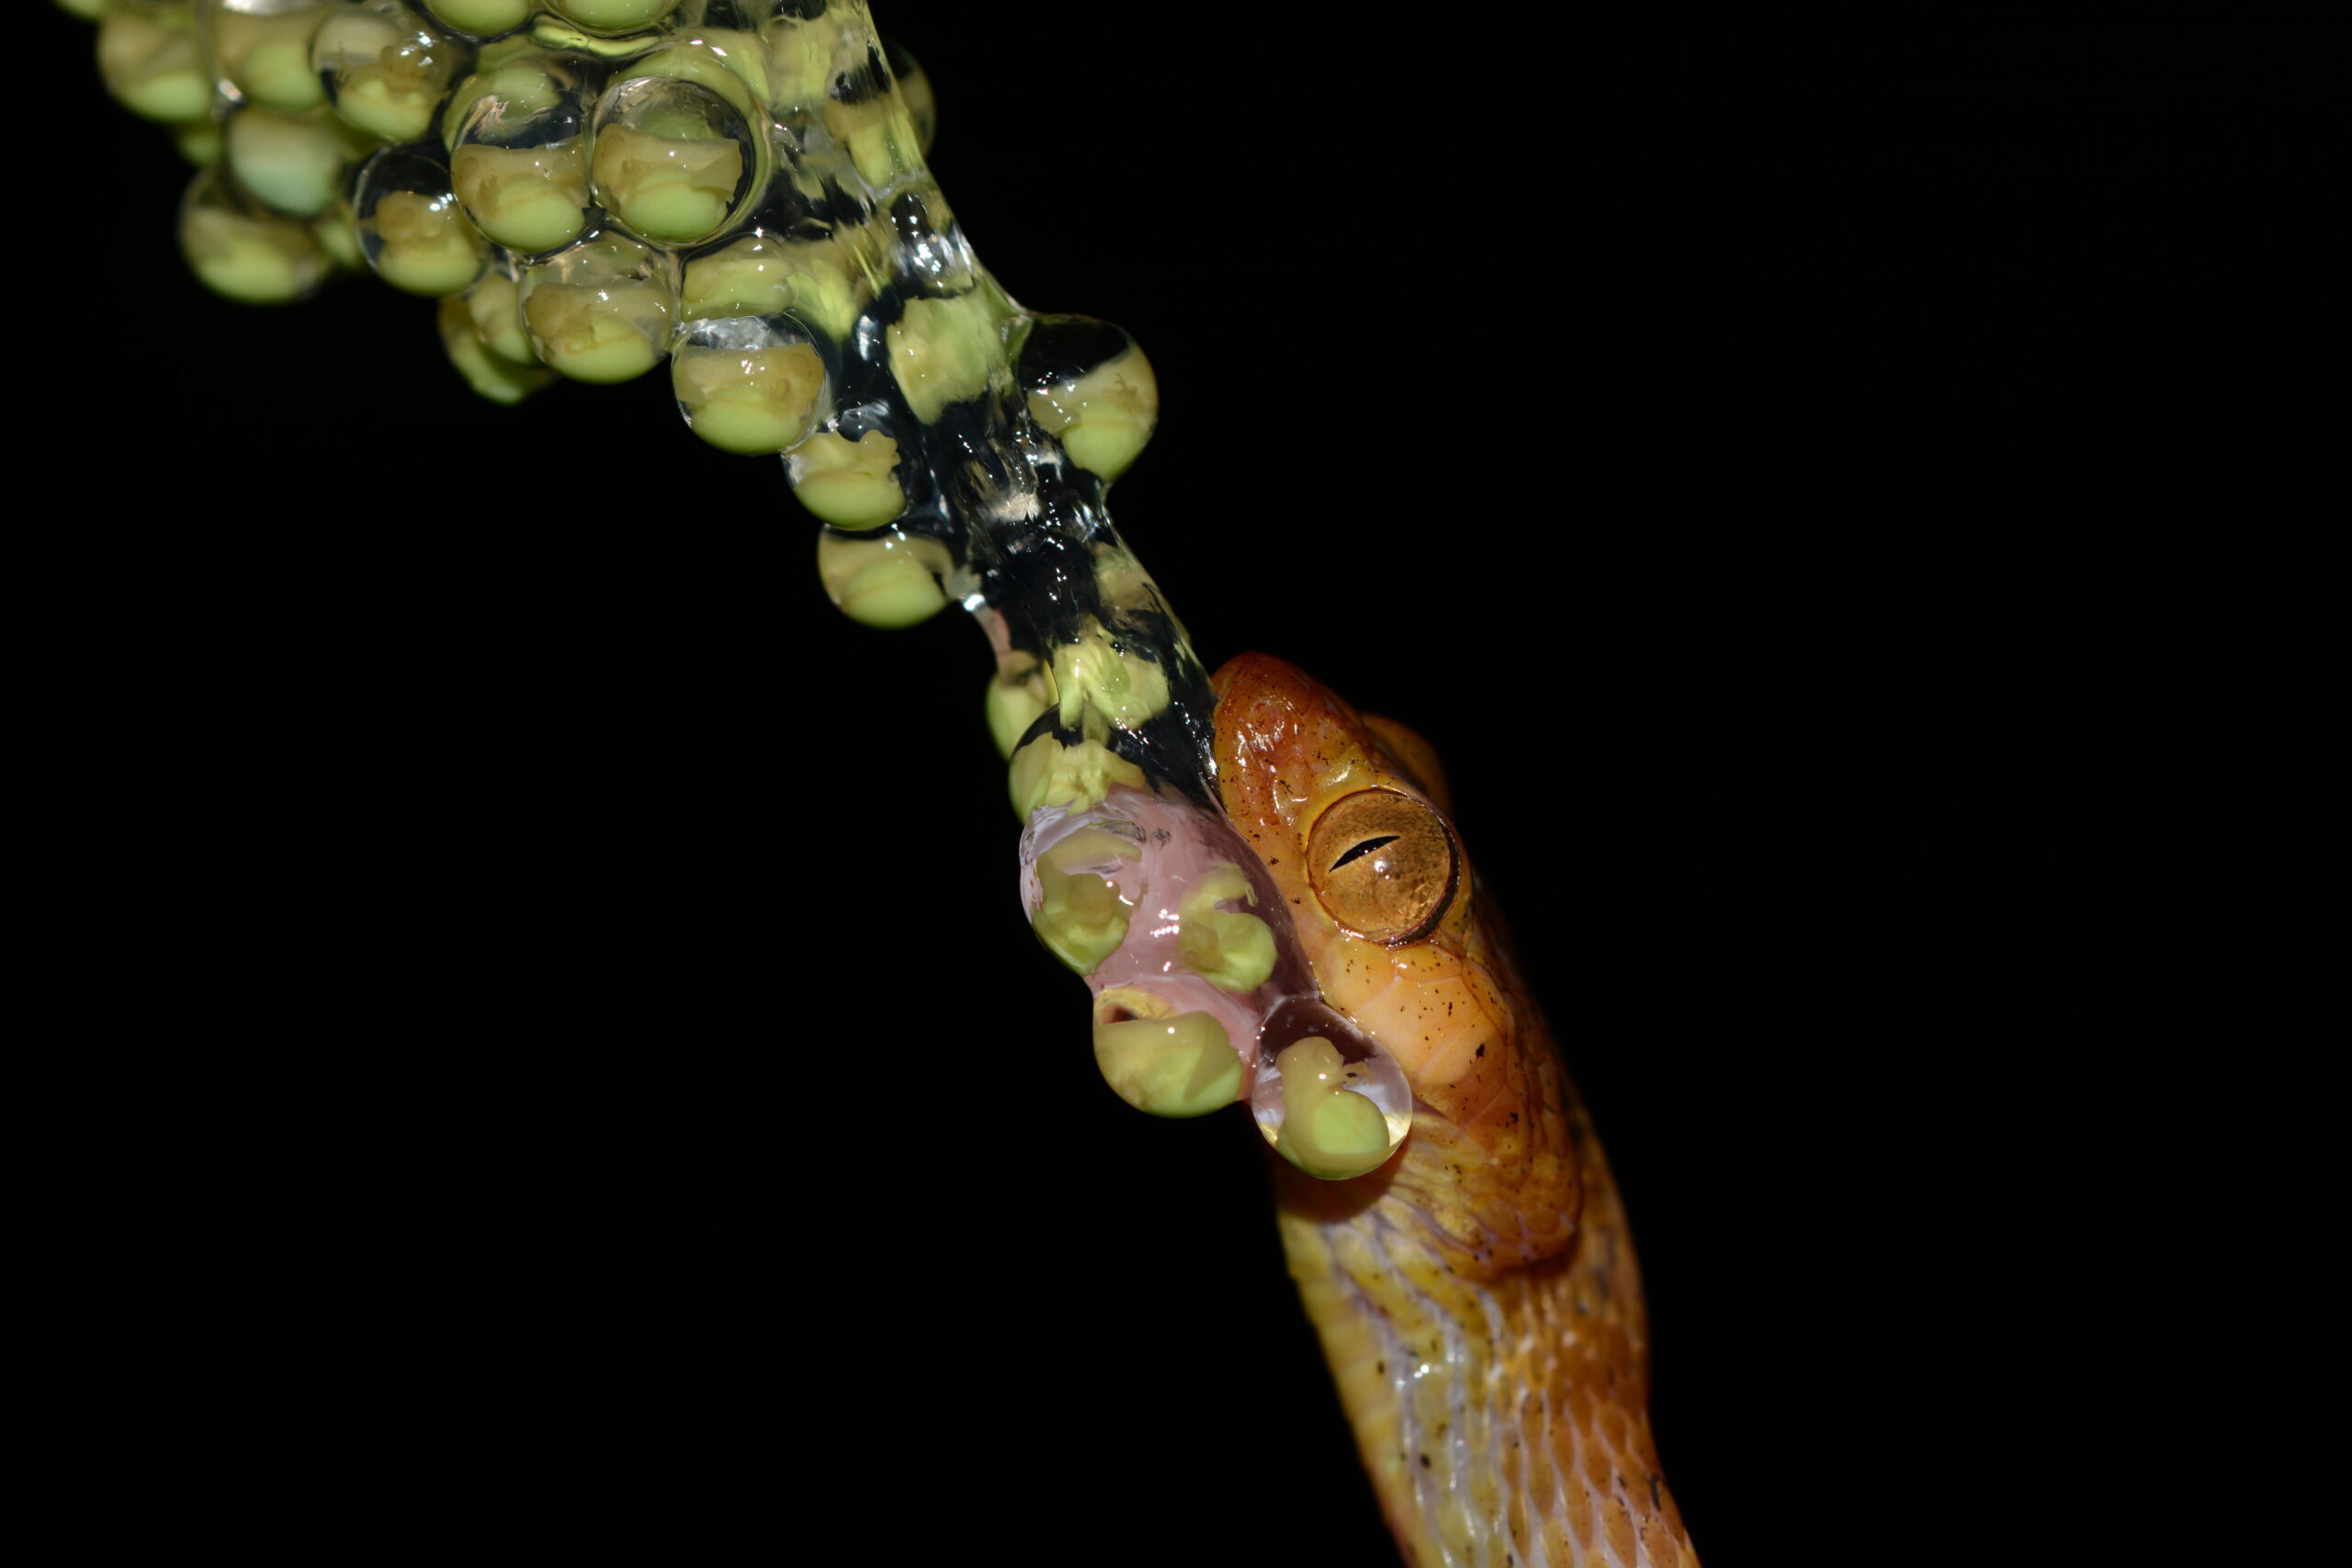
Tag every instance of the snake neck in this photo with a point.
(1501, 1411)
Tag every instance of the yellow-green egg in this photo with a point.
(483, 17)
(149, 58)
(1164, 1062)
(849, 484)
(611, 16)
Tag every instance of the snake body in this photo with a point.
(1477, 1296)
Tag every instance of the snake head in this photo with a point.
(1347, 817)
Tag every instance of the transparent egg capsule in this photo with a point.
(1327, 1098)
(1083, 880)
(871, 123)
(494, 305)
(482, 19)
(674, 161)
(755, 275)
(848, 476)
(244, 251)
(715, 41)
(727, 62)
(769, 271)
(796, 52)
(492, 375)
(518, 155)
(199, 141)
(1163, 1060)
(337, 233)
(1090, 388)
(612, 16)
(887, 580)
(291, 163)
(263, 48)
(1018, 692)
(385, 69)
(149, 61)
(411, 228)
(749, 384)
(602, 310)
(943, 349)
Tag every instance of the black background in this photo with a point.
(1757, 469)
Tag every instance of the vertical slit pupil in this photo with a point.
(1364, 849)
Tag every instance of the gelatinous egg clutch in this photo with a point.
(590, 187)
(1200, 995)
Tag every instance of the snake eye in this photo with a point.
(1383, 865)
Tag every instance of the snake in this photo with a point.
(1264, 889)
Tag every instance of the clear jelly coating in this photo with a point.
(1327, 1098)
(603, 309)
(150, 60)
(887, 579)
(673, 159)
(411, 228)
(243, 249)
(611, 16)
(486, 338)
(481, 18)
(1176, 931)
(384, 67)
(263, 48)
(494, 305)
(493, 376)
(519, 155)
(1088, 384)
(289, 163)
(850, 476)
(753, 385)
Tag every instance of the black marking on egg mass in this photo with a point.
(912, 219)
(866, 81)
